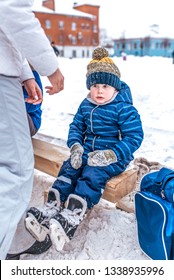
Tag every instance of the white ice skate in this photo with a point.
(64, 224)
(37, 230)
(37, 220)
(58, 236)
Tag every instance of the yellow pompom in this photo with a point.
(100, 53)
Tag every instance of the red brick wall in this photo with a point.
(62, 36)
(89, 37)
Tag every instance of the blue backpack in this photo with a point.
(154, 210)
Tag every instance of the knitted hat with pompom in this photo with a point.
(102, 70)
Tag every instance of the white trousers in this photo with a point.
(16, 160)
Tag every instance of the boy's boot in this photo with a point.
(64, 224)
(37, 219)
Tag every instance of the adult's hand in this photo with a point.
(34, 92)
(57, 82)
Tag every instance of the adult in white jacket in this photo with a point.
(21, 36)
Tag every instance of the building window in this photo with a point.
(61, 24)
(60, 39)
(128, 46)
(83, 53)
(87, 26)
(141, 45)
(95, 28)
(87, 54)
(73, 26)
(153, 46)
(73, 40)
(79, 35)
(74, 53)
(123, 46)
(82, 26)
(48, 24)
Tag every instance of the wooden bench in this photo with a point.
(49, 158)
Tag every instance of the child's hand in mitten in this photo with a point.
(101, 158)
(76, 155)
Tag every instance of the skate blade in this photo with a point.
(57, 235)
(38, 231)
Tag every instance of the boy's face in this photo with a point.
(101, 93)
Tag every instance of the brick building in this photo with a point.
(75, 30)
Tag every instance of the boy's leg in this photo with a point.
(16, 160)
(92, 182)
(66, 180)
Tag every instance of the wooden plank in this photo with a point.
(49, 158)
(119, 186)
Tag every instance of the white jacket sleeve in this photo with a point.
(26, 73)
(21, 36)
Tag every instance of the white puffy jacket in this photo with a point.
(21, 36)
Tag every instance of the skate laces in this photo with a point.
(50, 209)
(72, 217)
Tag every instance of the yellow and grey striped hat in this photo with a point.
(102, 70)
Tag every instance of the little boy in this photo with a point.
(104, 134)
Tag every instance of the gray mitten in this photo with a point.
(101, 158)
(76, 155)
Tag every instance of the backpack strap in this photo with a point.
(163, 172)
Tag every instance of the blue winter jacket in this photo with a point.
(34, 111)
(115, 125)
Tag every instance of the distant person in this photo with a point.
(124, 56)
(104, 134)
(55, 48)
(18, 30)
(34, 112)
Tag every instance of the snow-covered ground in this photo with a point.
(109, 233)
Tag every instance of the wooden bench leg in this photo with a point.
(121, 185)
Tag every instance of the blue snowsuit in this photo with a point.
(115, 125)
(34, 111)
